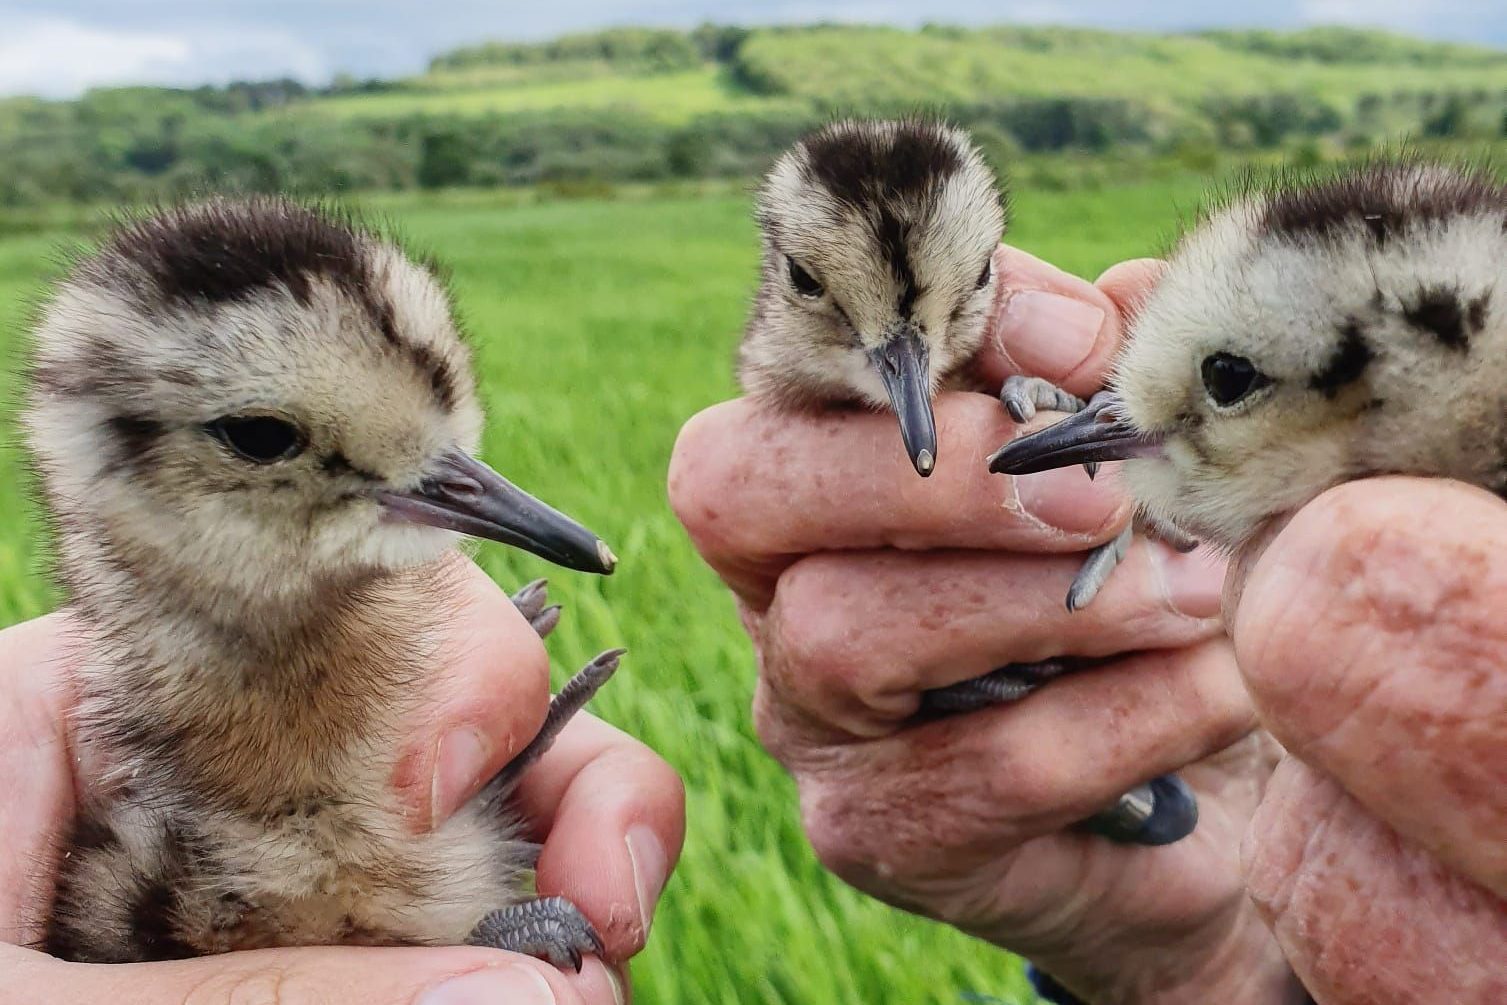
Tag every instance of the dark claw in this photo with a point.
(1160, 812)
(547, 621)
(531, 599)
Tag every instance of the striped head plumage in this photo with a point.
(877, 276)
(1305, 334)
(246, 397)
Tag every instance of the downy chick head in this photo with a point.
(244, 398)
(877, 276)
(1304, 336)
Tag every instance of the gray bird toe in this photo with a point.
(533, 603)
(550, 928)
(1023, 396)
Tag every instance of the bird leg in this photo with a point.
(999, 687)
(1157, 812)
(533, 603)
(1096, 569)
(571, 699)
(1022, 396)
(551, 928)
(1173, 537)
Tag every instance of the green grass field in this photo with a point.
(600, 327)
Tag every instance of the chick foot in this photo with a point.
(562, 708)
(999, 687)
(533, 603)
(1022, 396)
(550, 928)
(1158, 812)
(1096, 570)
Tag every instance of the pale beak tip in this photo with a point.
(925, 462)
(604, 553)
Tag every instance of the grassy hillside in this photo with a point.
(635, 105)
(600, 327)
(834, 67)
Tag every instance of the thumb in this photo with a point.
(314, 976)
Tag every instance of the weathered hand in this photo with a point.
(599, 798)
(862, 585)
(1370, 630)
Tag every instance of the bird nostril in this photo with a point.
(461, 488)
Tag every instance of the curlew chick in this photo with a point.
(877, 286)
(877, 274)
(255, 425)
(1301, 337)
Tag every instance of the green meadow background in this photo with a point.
(600, 326)
(606, 295)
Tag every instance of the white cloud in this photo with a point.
(57, 57)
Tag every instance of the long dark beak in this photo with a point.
(1098, 433)
(903, 364)
(463, 494)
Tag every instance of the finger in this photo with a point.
(611, 814)
(1048, 323)
(756, 488)
(1128, 284)
(853, 639)
(36, 769)
(1371, 635)
(488, 694)
(955, 794)
(314, 976)
(1363, 916)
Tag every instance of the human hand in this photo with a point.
(610, 814)
(1370, 630)
(862, 586)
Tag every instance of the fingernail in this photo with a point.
(1067, 499)
(499, 986)
(619, 990)
(1193, 582)
(462, 757)
(651, 867)
(1047, 334)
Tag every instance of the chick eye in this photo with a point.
(805, 284)
(1229, 378)
(261, 439)
(986, 275)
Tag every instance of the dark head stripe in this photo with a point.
(225, 250)
(1348, 364)
(863, 163)
(873, 169)
(1439, 312)
(1386, 199)
(133, 438)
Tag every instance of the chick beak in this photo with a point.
(903, 364)
(464, 495)
(1098, 433)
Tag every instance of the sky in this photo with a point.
(57, 48)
